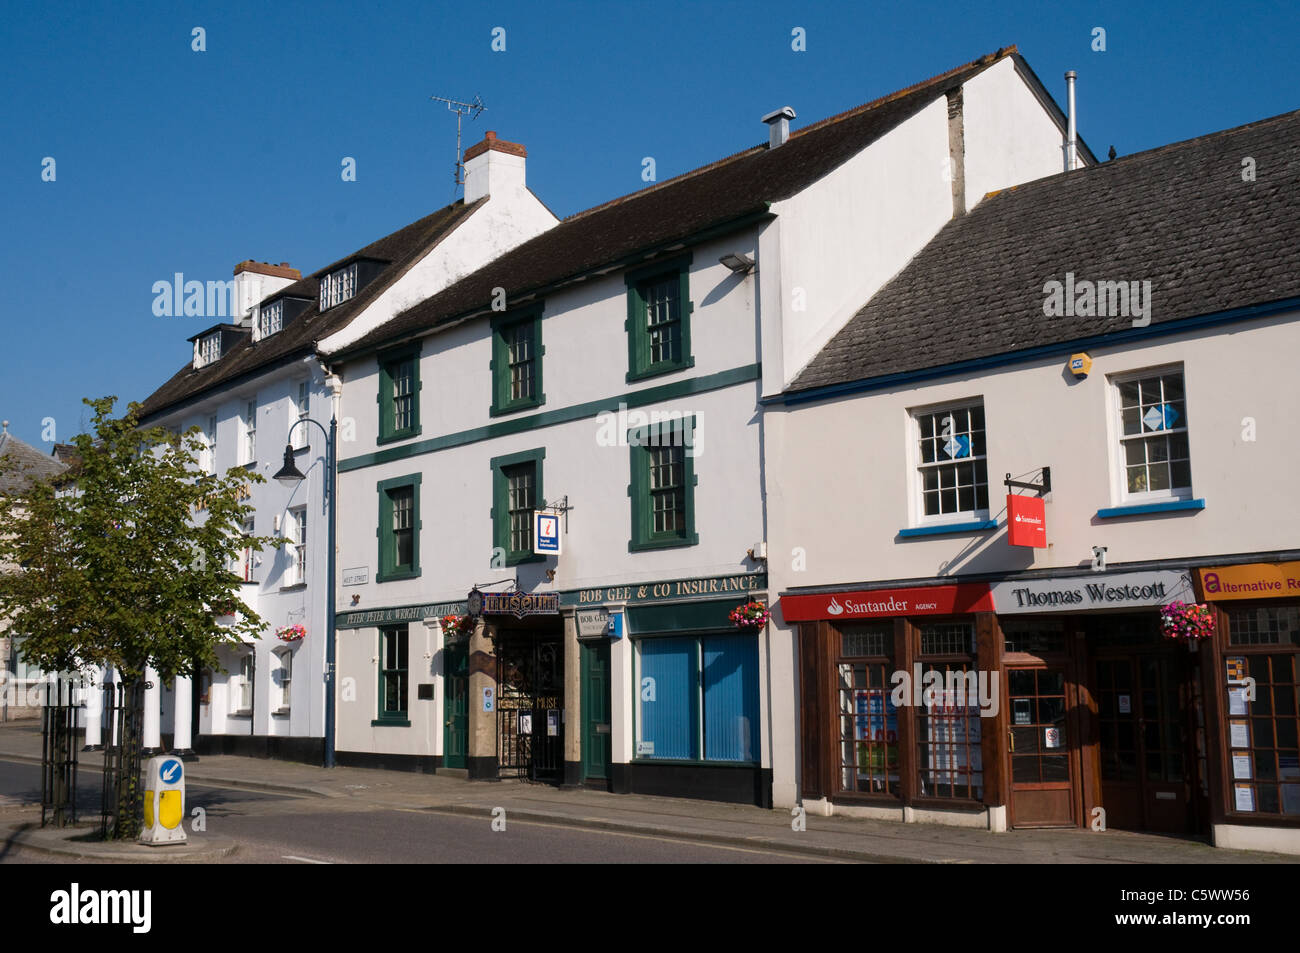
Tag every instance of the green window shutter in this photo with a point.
(517, 362)
(659, 318)
(526, 470)
(662, 488)
(398, 496)
(399, 394)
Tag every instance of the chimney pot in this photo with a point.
(778, 125)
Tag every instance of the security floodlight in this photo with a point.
(740, 264)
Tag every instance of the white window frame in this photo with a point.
(209, 348)
(250, 431)
(270, 319)
(244, 563)
(284, 678)
(1116, 442)
(241, 685)
(916, 491)
(338, 286)
(296, 531)
(211, 439)
(301, 410)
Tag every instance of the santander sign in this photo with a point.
(884, 603)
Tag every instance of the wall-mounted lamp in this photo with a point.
(1099, 559)
(740, 264)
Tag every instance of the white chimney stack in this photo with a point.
(493, 167)
(778, 126)
(1071, 138)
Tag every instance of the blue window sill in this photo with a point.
(1173, 506)
(975, 526)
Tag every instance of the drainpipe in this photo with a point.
(1071, 138)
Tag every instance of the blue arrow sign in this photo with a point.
(170, 771)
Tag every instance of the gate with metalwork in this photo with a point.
(530, 706)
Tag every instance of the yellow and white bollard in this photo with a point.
(164, 802)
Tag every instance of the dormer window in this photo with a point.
(338, 286)
(209, 349)
(270, 319)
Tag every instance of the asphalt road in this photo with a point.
(271, 828)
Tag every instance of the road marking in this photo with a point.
(670, 838)
(305, 860)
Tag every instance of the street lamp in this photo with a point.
(290, 476)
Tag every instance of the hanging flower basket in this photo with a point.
(291, 633)
(1186, 621)
(751, 615)
(457, 625)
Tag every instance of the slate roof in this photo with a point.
(21, 464)
(402, 248)
(1179, 216)
(656, 217)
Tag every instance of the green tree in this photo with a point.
(126, 562)
(130, 566)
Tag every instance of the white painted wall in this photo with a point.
(508, 219)
(1010, 137)
(847, 234)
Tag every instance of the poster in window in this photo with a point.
(1239, 733)
(525, 722)
(1241, 766)
(1236, 701)
(876, 721)
(953, 734)
(1245, 797)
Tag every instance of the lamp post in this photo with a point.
(290, 476)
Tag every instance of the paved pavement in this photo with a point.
(304, 790)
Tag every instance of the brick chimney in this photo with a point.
(493, 167)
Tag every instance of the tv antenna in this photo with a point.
(460, 109)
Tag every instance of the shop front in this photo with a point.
(1254, 702)
(899, 708)
(1105, 712)
(670, 689)
(1035, 702)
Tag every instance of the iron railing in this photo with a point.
(123, 800)
(59, 717)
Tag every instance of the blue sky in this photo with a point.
(170, 160)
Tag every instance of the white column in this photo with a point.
(182, 718)
(152, 712)
(94, 693)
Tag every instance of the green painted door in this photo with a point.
(456, 710)
(595, 710)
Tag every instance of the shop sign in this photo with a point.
(1251, 581)
(672, 590)
(517, 604)
(1026, 521)
(1081, 593)
(373, 617)
(592, 623)
(883, 603)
